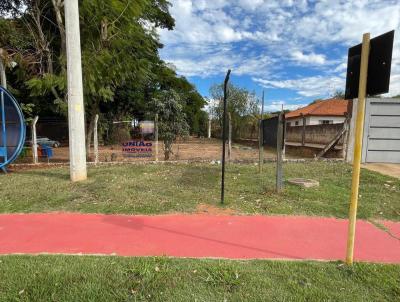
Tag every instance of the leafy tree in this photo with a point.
(338, 94)
(242, 105)
(122, 70)
(171, 118)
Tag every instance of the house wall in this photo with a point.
(314, 120)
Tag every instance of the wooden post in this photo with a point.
(358, 147)
(224, 121)
(345, 137)
(261, 137)
(209, 127)
(34, 141)
(3, 70)
(303, 132)
(96, 140)
(156, 135)
(279, 152)
(229, 137)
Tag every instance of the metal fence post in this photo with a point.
(229, 136)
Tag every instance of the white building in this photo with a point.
(332, 111)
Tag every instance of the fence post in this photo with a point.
(156, 134)
(3, 70)
(224, 120)
(345, 137)
(34, 140)
(261, 138)
(229, 136)
(209, 127)
(303, 133)
(96, 140)
(279, 151)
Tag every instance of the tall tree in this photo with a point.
(242, 105)
(171, 118)
(122, 70)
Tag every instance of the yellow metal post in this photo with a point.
(358, 147)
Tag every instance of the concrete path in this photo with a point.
(200, 236)
(386, 169)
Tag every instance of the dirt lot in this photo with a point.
(191, 149)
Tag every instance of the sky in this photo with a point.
(295, 50)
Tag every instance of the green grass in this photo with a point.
(157, 189)
(76, 278)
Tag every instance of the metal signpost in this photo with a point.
(368, 73)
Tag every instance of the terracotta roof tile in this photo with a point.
(331, 107)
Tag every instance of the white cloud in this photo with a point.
(311, 58)
(275, 106)
(262, 38)
(308, 86)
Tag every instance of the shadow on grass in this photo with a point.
(50, 173)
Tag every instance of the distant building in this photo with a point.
(332, 111)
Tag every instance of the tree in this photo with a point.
(122, 70)
(171, 118)
(242, 105)
(338, 94)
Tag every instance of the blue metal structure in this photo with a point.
(12, 129)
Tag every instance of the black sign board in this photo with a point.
(379, 66)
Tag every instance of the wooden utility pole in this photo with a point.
(224, 121)
(261, 137)
(358, 147)
(76, 109)
(96, 140)
(34, 141)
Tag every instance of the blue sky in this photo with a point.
(296, 50)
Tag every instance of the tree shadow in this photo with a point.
(138, 223)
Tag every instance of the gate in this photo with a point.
(382, 131)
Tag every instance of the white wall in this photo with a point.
(314, 120)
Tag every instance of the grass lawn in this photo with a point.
(166, 188)
(76, 278)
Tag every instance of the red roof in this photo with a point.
(331, 107)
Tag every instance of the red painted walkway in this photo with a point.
(238, 237)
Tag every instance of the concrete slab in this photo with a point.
(386, 169)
